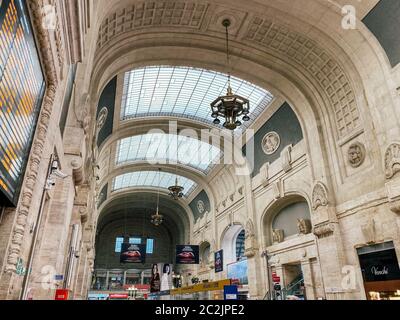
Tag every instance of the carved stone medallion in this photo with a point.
(392, 160)
(102, 118)
(201, 207)
(356, 154)
(271, 143)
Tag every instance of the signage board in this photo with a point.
(133, 253)
(238, 271)
(62, 295)
(161, 277)
(231, 293)
(380, 266)
(202, 287)
(22, 89)
(219, 261)
(187, 254)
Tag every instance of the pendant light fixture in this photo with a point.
(176, 191)
(157, 219)
(231, 106)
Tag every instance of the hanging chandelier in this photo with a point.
(231, 106)
(157, 219)
(176, 191)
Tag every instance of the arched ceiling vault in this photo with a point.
(284, 46)
(131, 205)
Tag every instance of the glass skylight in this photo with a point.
(183, 92)
(152, 179)
(168, 149)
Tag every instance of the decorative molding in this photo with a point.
(368, 230)
(324, 230)
(249, 229)
(277, 189)
(44, 41)
(286, 157)
(307, 53)
(319, 196)
(264, 171)
(152, 14)
(36, 157)
(392, 160)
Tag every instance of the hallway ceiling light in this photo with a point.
(157, 219)
(231, 106)
(176, 191)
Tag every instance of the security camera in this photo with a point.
(55, 171)
(50, 183)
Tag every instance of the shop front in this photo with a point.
(381, 272)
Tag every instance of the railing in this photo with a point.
(293, 289)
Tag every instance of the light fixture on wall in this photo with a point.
(157, 219)
(176, 191)
(231, 107)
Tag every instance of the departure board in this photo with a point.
(22, 88)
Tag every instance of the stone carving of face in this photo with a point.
(356, 155)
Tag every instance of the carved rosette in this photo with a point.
(319, 196)
(324, 230)
(392, 160)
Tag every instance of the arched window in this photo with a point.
(240, 245)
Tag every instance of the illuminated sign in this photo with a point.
(21, 91)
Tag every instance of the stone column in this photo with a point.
(308, 279)
(53, 247)
(107, 279)
(279, 269)
(329, 241)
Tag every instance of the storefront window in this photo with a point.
(380, 270)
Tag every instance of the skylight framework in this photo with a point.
(159, 148)
(150, 179)
(187, 92)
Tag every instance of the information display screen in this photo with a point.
(22, 88)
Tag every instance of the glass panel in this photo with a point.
(240, 245)
(135, 241)
(151, 179)
(168, 149)
(150, 246)
(118, 244)
(183, 92)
